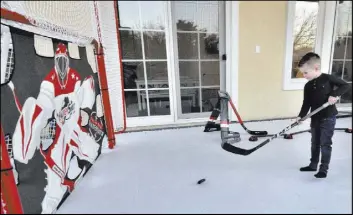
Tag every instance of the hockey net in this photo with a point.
(72, 21)
(85, 23)
(79, 22)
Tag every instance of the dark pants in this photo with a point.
(321, 139)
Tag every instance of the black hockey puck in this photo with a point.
(288, 136)
(201, 181)
(253, 138)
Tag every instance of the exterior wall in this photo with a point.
(260, 94)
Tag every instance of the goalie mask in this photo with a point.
(61, 62)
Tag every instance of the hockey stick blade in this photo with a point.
(253, 132)
(236, 150)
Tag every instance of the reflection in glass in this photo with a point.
(209, 46)
(157, 74)
(133, 75)
(339, 48)
(190, 100)
(189, 73)
(304, 32)
(187, 46)
(349, 47)
(209, 99)
(347, 97)
(210, 73)
(337, 68)
(159, 102)
(185, 14)
(347, 71)
(155, 47)
(131, 44)
(342, 47)
(152, 13)
(344, 19)
(135, 103)
(207, 16)
(202, 14)
(128, 15)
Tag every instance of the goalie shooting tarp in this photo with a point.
(58, 130)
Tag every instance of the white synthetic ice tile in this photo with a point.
(157, 171)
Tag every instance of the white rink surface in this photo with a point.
(157, 171)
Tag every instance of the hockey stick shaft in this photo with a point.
(236, 150)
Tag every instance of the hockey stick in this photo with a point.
(239, 118)
(290, 135)
(236, 150)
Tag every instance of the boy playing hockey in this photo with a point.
(318, 90)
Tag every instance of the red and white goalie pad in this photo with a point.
(33, 119)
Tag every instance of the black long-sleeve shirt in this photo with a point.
(317, 92)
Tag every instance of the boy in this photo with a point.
(318, 90)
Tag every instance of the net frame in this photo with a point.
(45, 28)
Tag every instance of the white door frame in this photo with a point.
(231, 77)
(222, 37)
(163, 119)
(232, 50)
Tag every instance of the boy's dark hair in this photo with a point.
(308, 58)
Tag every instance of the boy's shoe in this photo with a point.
(307, 169)
(321, 175)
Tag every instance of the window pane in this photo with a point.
(128, 15)
(135, 103)
(347, 97)
(339, 48)
(190, 100)
(295, 70)
(131, 44)
(209, 99)
(304, 33)
(185, 15)
(207, 16)
(189, 73)
(198, 51)
(337, 68)
(187, 46)
(349, 48)
(210, 73)
(152, 13)
(209, 46)
(157, 74)
(344, 19)
(197, 15)
(342, 48)
(159, 102)
(347, 71)
(133, 75)
(154, 43)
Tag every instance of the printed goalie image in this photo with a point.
(52, 116)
